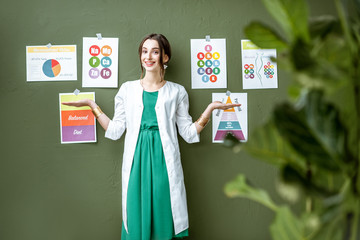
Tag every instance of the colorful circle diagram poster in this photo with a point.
(77, 124)
(53, 63)
(231, 121)
(208, 63)
(258, 68)
(100, 62)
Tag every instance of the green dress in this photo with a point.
(148, 200)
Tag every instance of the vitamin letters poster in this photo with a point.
(100, 62)
(53, 63)
(258, 68)
(208, 63)
(77, 124)
(233, 120)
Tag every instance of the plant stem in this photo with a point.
(308, 205)
(355, 221)
(331, 182)
(349, 226)
(357, 129)
(309, 201)
(356, 179)
(344, 24)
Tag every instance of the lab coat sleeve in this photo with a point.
(186, 127)
(117, 125)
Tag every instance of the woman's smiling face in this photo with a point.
(150, 55)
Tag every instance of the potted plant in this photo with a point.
(314, 137)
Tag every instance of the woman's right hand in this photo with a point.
(82, 103)
(102, 118)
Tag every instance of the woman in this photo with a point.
(153, 191)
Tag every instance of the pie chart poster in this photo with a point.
(55, 63)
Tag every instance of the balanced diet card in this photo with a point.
(77, 124)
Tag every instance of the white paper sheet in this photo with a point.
(208, 63)
(258, 70)
(57, 63)
(233, 120)
(100, 62)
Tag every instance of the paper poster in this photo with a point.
(208, 63)
(258, 70)
(77, 124)
(53, 63)
(233, 120)
(100, 62)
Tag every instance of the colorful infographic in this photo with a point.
(77, 124)
(53, 63)
(100, 62)
(208, 63)
(233, 120)
(258, 68)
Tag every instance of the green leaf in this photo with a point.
(314, 130)
(294, 91)
(230, 140)
(267, 144)
(291, 15)
(294, 176)
(286, 226)
(327, 62)
(321, 77)
(334, 52)
(357, 4)
(329, 232)
(320, 26)
(264, 37)
(293, 126)
(240, 188)
(300, 55)
(329, 228)
(323, 120)
(346, 27)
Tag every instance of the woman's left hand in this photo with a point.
(211, 107)
(223, 106)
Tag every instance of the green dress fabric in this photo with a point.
(148, 199)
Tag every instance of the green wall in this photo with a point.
(66, 192)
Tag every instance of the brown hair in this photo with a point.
(164, 46)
